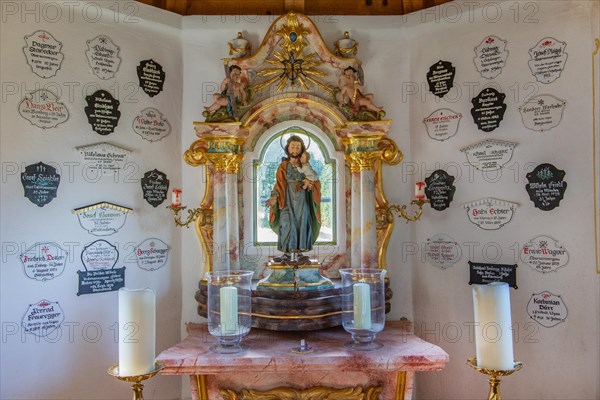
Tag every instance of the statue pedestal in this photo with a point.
(277, 305)
(302, 310)
(294, 276)
(288, 310)
(293, 297)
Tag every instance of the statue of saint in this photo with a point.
(295, 203)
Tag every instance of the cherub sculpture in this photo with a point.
(351, 95)
(233, 92)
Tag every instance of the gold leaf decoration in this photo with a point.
(293, 33)
(291, 67)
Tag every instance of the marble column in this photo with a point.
(362, 152)
(223, 154)
(233, 222)
(355, 221)
(220, 261)
(368, 240)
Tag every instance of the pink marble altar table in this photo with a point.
(269, 368)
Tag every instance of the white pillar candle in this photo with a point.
(176, 197)
(229, 310)
(137, 331)
(493, 333)
(362, 305)
(420, 190)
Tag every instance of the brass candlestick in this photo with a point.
(494, 393)
(137, 380)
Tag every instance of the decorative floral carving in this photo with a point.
(315, 393)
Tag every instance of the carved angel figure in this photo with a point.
(233, 88)
(351, 93)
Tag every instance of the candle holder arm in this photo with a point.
(402, 210)
(191, 217)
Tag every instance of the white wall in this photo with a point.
(560, 362)
(73, 363)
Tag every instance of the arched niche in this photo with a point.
(305, 109)
(330, 249)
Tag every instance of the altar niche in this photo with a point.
(263, 180)
(285, 264)
(259, 105)
(259, 169)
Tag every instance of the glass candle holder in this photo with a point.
(363, 306)
(229, 309)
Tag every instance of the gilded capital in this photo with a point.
(362, 160)
(362, 151)
(223, 152)
(228, 163)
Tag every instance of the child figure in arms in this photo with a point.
(309, 173)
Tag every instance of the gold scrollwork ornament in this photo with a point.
(194, 156)
(206, 218)
(315, 393)
(390, 153)
(403, 213)
(383, 217)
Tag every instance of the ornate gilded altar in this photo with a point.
(293, 84)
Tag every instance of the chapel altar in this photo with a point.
(271, 369)
(294, 86)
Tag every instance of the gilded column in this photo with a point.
(361, 154)
(223, 152)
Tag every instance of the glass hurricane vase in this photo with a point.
(229, 309)
(363, 306)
